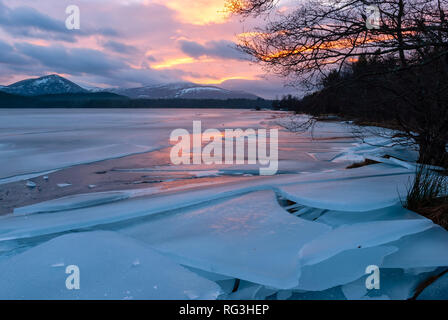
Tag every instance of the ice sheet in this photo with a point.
(111, 266)
(436, 291)
(81, 201)
(250, 237)
(19, 227)
(361, 235)
(342, 268)
(221, 232)
(48, 139)
(395, 284)
(356, 190)
(340, 218)
(426, 249)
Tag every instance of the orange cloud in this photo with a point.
(173, 62)
(179, 61)
(198, 12)
(330, 45)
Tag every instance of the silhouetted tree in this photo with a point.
(400, 65)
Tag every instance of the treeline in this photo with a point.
(361, 92)
(110, 100)
(378, 91)
(202, 103)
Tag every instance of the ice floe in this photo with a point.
(342, 268)
(396, 284)
(72, 202)
(308, 233)
(106, 269)
(249, 237)
(356, 190)
(438, 290)
(358, 236)
(422, 250)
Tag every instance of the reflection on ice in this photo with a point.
(307, 233)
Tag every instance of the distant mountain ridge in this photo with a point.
(54, 84)
(57, 92)
(182, 90)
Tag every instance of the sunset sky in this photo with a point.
(130, 43)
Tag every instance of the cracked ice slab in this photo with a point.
(361, 235)
(248, 237)
(437, 290)
(342, 268)
(422, 250)
(140, 204)
(71, 202)
(358, 190)
(396, 284)
(339, 218)
(82, 201)
(111, 266)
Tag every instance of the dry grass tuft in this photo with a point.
(438, 213)
(428, 195)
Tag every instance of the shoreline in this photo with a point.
(102, 176)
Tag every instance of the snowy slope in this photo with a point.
(52, 84)
(182, 90)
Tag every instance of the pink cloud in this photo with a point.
(142, 37)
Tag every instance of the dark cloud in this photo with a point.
(94, 64)
(29, 18)
(30, 23)
(9, 55)
(107, 32)
(74, 61)
(151, 28)
(119, 47)
(151, 58)
(220, 49)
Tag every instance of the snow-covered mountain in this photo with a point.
(52, 84)
(182, 90)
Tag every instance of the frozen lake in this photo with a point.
(140, 227)
(41, 140)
